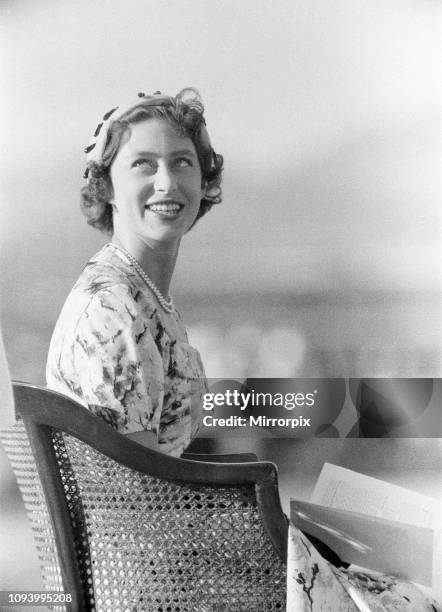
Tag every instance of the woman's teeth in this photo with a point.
(165, 209)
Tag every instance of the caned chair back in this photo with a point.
(122, 527)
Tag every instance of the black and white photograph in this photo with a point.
(221, 297)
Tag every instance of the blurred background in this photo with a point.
(324, 258)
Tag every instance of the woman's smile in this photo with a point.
(169, 209)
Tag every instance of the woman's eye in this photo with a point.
(143, 162)
(183, 162)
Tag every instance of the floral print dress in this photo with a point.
(117, 352)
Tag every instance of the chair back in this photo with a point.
(123, 527)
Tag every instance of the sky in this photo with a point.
(326, 113)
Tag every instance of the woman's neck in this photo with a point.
(157, 259)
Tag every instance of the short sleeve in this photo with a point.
(117, 367)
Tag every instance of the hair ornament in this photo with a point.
(97, 131)
(109, 113)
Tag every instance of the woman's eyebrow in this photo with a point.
(184, 152)
(170, 154)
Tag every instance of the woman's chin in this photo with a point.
(160, 227)
(163, 233)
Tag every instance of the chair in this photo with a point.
(121, 527)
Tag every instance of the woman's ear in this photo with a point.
(209, 190)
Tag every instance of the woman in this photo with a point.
(119, 346)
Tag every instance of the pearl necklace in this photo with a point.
(166, 303)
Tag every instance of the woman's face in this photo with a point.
(156, 183)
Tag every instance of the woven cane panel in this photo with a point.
(171, 547)
(78, 522)
(18, 450)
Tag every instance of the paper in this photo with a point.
(344, 489)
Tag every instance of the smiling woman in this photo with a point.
(119, 346)
(157, 193)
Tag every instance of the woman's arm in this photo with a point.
(110, 362)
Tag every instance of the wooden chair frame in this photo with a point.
(43, 410)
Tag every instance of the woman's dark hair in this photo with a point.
(185, 113)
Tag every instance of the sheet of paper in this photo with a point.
(340, 488)
(381, 545)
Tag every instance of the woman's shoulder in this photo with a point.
(106, 272)
(104, 289)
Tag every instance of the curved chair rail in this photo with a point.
(49, 408)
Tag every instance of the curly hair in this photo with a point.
(185, 113)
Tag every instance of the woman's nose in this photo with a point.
(164, 179)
